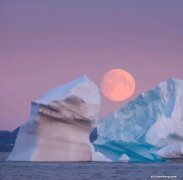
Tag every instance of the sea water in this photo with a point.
(88, 170)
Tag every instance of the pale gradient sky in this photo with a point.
(47, 43)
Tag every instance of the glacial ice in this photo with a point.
(171, 151)
(98, 156)
(124, 158)
(59, 124)
(147, 129)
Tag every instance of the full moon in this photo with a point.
(117, 85)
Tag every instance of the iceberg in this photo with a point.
(172, 151)
(124, 158)
(64, 126)
(146, 129)
(97, 156)
(59, 124)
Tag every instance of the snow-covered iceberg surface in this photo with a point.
(59, 124)
(149, 128)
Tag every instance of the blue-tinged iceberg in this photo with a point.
(147, 129)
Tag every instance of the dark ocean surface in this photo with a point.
(87, 170)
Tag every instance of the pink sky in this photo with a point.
(47, 43)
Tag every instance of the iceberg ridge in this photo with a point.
(145, 125)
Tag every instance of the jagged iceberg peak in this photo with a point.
(154, 118)
(81, 88)
(59, 124)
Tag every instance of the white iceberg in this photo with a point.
(171, 151)
(59, 124)
(97, 156)
(124, 158)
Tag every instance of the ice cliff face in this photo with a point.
(149, 128)
(59, 124)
